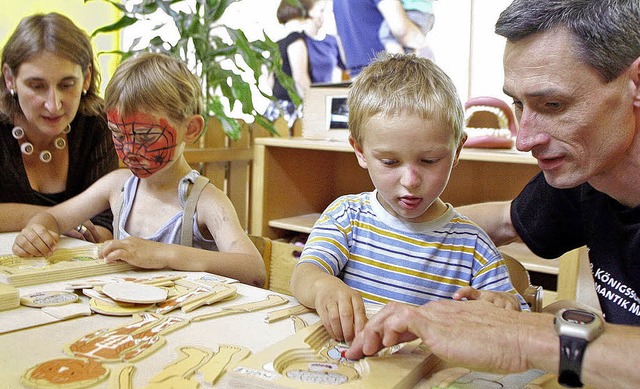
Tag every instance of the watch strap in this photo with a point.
(571, 354)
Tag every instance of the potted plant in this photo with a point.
(204, 44)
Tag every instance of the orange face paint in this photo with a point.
(145, 143)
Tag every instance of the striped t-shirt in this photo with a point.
(387, 259)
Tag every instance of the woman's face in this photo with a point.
(49, 89)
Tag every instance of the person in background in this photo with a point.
(400, 242)
(165, 214)
(421, 13)
(572, 68)
(53, 132)
(358, 23)
(309, 55)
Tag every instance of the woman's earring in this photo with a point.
(84, 92)
(12, 92)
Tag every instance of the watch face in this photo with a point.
(578, 317)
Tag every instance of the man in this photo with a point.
(573, 70)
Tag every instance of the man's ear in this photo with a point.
(195, 125)
(635, 78)
(362, 161)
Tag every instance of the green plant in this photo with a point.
(205, 45)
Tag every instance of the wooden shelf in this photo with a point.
(302, 223)
(467, 154)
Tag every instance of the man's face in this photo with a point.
(144, 142)
(577, 127)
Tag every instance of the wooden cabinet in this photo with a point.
(295, 179)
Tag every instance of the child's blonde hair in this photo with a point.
(154, 83)
(397, 84)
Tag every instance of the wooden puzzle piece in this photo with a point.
(65, 373)
(220, 292)
(129, 342)
(272, 300)
(133, 292)
(183, 369)
(226, 357)
(124, 378)
(48, 298)
(285, 313)
(298, 323)
(113, 308)
(177, 301)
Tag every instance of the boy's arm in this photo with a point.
(148, 254)
(237, 257)
(341, 308)
(42, 232)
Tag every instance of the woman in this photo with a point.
(53, 132)
(309, 55)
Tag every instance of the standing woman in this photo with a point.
(54, 139)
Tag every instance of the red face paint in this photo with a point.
(144, 143)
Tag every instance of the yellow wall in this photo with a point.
(87, 16)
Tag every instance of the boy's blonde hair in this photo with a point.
(398, 84)
(154, 82)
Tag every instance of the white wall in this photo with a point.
(463, 40)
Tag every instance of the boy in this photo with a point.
(400, 242)
(154, 104)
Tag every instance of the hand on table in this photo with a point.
(474, 334)
(499, 299)
(35, 241)
(135, 251)
(341, 310)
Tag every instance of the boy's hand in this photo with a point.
(35, 241)
(135, 251)
(341, 310)
(499, 299)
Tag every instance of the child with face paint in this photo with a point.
(165, 214)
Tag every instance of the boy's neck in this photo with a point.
(169, 177)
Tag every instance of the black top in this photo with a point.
(278, 90)
(91, 156)
(553, 221)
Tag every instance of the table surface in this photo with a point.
(25, 348)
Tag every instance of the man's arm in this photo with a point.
(493, 217)
(481, 336)
(405, 31)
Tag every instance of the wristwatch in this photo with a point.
(576, 328)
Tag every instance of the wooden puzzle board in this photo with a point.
(74, 258)
(309, 359)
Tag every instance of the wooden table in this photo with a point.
(23, 349)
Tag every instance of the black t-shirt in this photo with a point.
(283, 45)
(553, 221)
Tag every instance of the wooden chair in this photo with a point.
(520, 279)
(264, 245)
